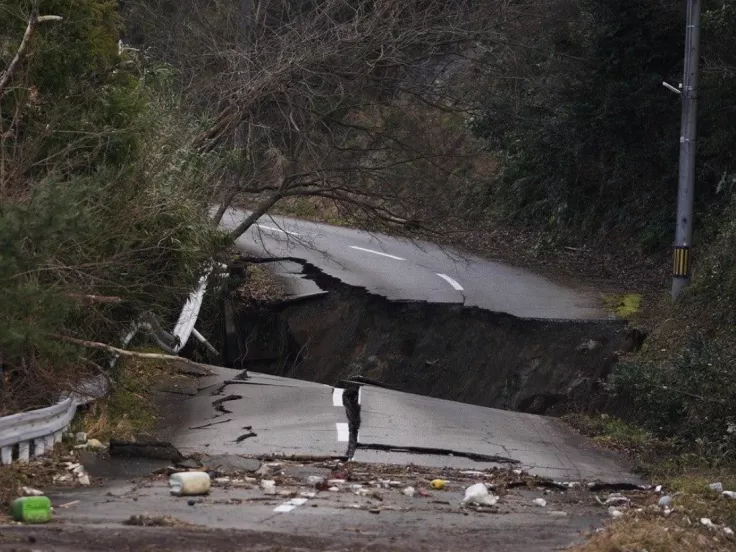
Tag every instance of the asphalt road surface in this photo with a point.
(399, 269)
(266, 415)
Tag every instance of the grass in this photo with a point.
(626, 306)
(128, 411)
(684, 473)
(654, 534)
(259, 286)
(613, 433)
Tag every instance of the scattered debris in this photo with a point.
(268, 486)
(69, 504)
(221, 481)
(706, 522)
(717, 487)
(615, 512)
(30, 491)
(95, 444)
(83, 479)
(478, 494)
(665, 501)
(144, 520)
(191, 483)
(334, 489)
(315, 480)
(409, 491)
(80, 437)
(438, 484)
(614, 499)
(729, 494)
(264, 471)
(189, 464)
(540, 502)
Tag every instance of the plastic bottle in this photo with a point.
(190, 483)
(31, 509)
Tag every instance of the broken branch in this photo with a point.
(123, 352)
(23, 48)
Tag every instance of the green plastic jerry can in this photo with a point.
(31, 509)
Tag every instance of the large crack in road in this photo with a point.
(447, 351)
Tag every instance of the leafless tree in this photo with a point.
(358, 102)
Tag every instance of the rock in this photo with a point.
(30, 491)
(334, 489)
(478, 494)
(80, 437)
(617, 499)
(84, 480)
(188, 464)
(95, 444)
(540, 502)
(231, 464)
(729, 494)
(706, 522)
(221, 480)
(665, 501)
(589, 345)
(408, 491)
(614, 512)
(717, 487)
(268, 486)
(315, 480)
(728, 531)
(264, 471)
(191, 502)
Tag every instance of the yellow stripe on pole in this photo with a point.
(681, 262)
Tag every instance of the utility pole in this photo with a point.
(686, 184)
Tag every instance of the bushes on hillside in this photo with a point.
(101, 213)
(588, 134)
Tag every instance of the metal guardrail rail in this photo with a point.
(33, 433)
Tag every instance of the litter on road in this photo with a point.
(189, 483)
(478, 494)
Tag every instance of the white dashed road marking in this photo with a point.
(337, 396)
(289, 505)
(272, 229)
(450, 281)
(343, 433)
(377, 253)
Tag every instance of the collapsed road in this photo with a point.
(411, 317)
(401, 270)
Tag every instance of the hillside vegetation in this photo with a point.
(100, 215)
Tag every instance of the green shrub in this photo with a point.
(692, 397)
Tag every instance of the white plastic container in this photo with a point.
(190, 483)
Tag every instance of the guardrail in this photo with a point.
(36, 432)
